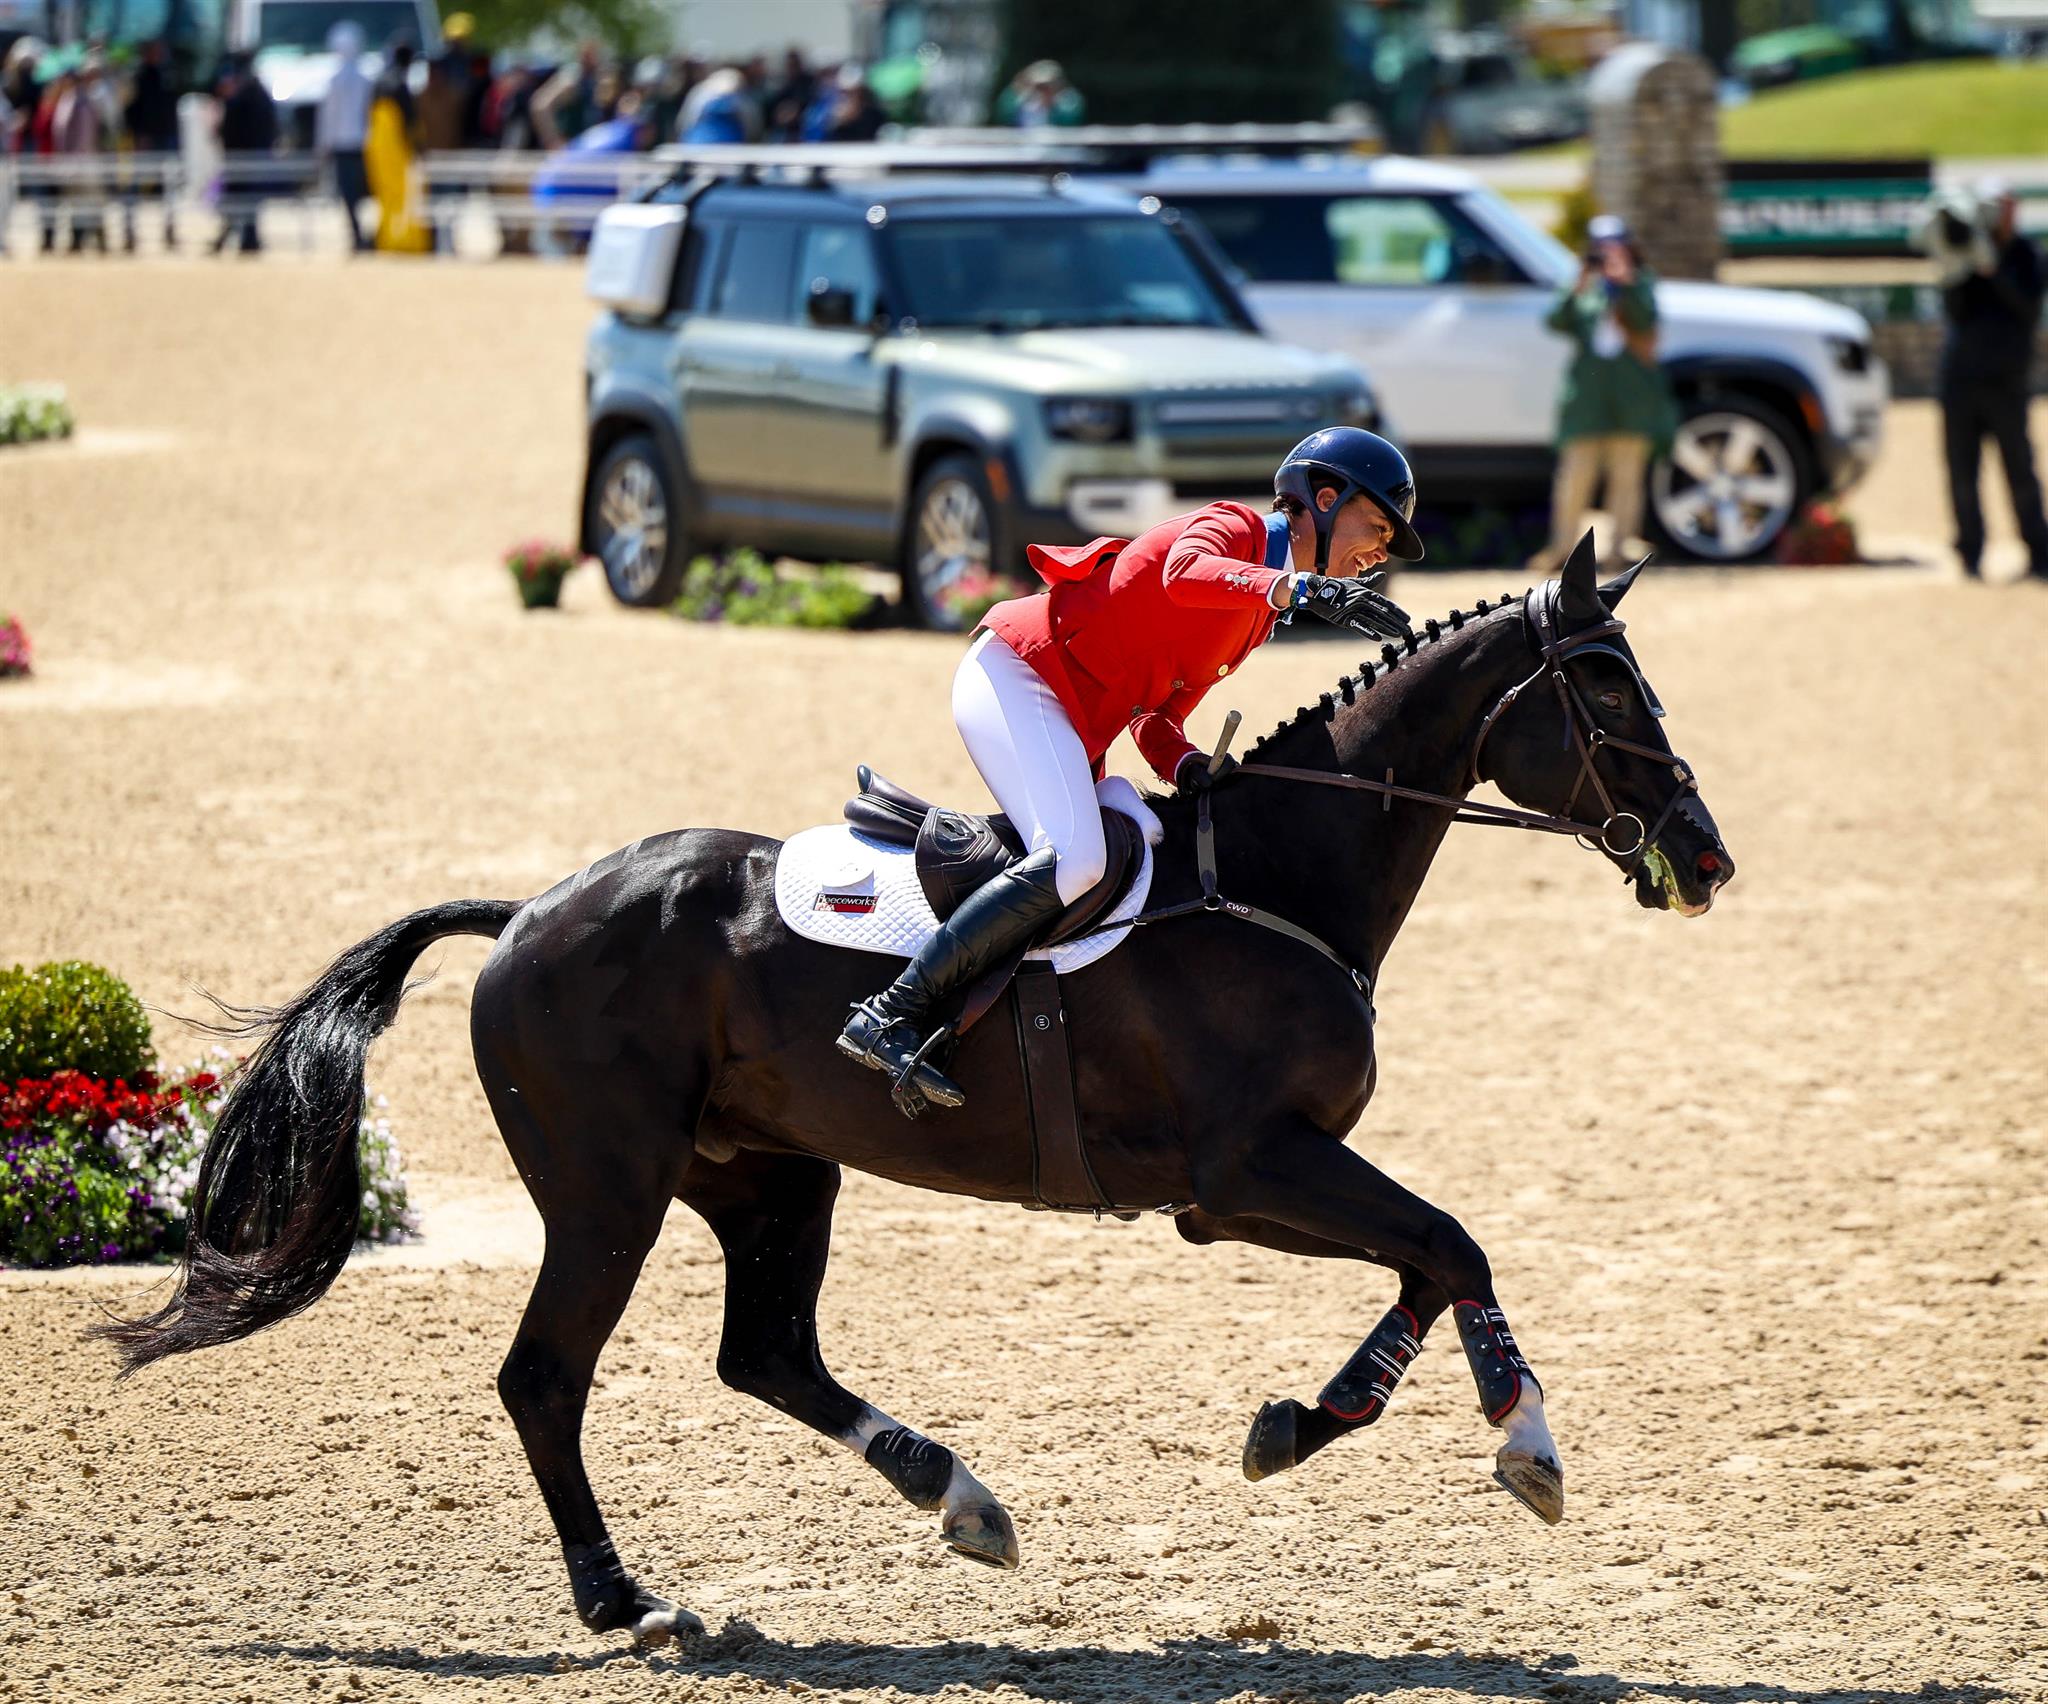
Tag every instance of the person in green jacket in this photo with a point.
(1039, 97)
(1615, 409)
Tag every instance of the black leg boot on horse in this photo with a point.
(895, 1031)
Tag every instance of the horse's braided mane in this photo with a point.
(1370, 672)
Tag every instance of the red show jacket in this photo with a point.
(1133, 633)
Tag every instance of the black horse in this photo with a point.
(649, 1030)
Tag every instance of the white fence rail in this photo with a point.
(483, 203)
(475, 204)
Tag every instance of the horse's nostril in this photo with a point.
(1714, 868)
(1708, 864)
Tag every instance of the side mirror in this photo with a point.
(830, 305)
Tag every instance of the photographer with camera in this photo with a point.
(1615, 407)
(1991, 291)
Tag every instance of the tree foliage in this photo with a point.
(627, 29)
(1166, 62)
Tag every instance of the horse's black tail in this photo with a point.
(275, 1207)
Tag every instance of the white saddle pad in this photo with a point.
(834, 884)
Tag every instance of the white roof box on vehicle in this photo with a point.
(633, 256)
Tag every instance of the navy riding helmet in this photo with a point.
(1362, 464)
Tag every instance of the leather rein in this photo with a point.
(1539, 616)
(1581, 729)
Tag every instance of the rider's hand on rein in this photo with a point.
(1354, 603)
(1197, 773)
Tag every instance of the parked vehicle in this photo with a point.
(925, 371)
(1440, 289)
(1491, 99)
(1848, 35)
(1454, 91)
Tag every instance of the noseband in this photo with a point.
(1582, 729)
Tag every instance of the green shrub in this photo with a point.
(71, 1017)
(33, 412)
(746, 590)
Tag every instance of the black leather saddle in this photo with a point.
(958, 852)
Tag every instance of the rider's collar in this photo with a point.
(1279, 542)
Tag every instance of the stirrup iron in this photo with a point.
(919, 1082)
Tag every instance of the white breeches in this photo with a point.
(1027, 751)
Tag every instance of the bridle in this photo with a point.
(1554, 651)
(1539, 615)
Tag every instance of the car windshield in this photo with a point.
(302, 25)
(1001, 273)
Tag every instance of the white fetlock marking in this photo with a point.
(964, 1491)
(870, 1426)
(1528, 1432)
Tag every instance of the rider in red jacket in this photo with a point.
(1131, 635)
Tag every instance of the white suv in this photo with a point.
(1439, 288)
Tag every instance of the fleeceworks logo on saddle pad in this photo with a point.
(849, 891)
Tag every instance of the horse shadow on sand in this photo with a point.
(1191, 1671)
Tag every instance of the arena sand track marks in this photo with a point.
(1782, 1273)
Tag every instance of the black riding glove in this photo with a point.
(1191, 775)
(1351, 603)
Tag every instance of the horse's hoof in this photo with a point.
(1270, 1445)
(1533, 1481)
(661, 1624)
(983, 1533)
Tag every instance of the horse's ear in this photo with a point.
(1617, 588)
(1579, 597)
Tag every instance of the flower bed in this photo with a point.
(16, 656)
(1822, 537)
(538, 569)
(979, 590)
(92, 1170)
(31, 413)
(99, 1154)
(747, 590)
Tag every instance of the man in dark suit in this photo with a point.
(248, 136)
(1993, 310)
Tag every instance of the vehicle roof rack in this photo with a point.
(1085, 149)
(1121, 147)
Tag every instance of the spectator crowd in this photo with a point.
(93, 107)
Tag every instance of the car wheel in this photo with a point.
(634, 524)
(1735, 478)
(951, 546)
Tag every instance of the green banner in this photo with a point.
(1820, 216)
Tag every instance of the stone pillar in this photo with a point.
(1657, 154)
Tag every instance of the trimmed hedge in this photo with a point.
(71, 1016)
(30, 414)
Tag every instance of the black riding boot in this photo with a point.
(890, 1032)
